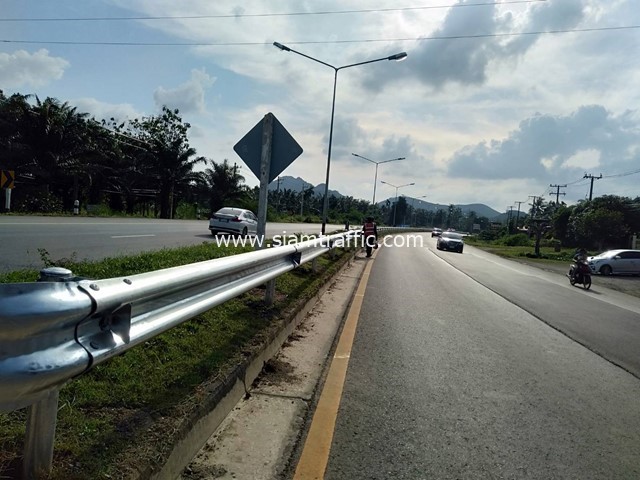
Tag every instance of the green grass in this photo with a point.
(108, 410)
(546, 252)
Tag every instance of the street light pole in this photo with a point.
(397, 56)
(395, 205)
(375, 180)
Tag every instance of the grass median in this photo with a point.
(129, 403)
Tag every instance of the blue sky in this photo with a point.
(484, 108)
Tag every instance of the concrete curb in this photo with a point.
(225, 394)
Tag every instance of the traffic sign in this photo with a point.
(7, 178)
(284, 149)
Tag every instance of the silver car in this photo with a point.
(450, 241)
(233, 220)
(616, 261)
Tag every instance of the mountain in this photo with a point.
(481, 209)
(296, 184)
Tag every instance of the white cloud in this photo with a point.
(188, 97)
(21, 68)
(544, 144)
(583, 159)
(105, 111)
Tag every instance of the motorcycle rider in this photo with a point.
(579, 258)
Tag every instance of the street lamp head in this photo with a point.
(398, 57)
(287, 49)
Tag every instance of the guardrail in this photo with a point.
(59, 327)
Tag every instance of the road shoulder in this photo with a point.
(260, 435)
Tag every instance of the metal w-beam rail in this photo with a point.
(53, 331)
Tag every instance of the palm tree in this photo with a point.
(223, 184)
(169, 158)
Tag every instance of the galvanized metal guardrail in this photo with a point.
(58, 328)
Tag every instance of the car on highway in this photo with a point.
(450, 241)
(616, 262)
(238, 221)
(436, 232)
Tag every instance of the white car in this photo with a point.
(233, 220)
(616, 261)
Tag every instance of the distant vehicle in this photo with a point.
(616, 262)
(450, 241)
(238, 221)
(436, 232)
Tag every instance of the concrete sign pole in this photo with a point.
(265, 169)
(7, 199)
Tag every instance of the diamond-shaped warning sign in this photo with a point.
(284, 149)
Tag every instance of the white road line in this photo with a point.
(131, 236)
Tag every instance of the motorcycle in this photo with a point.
(580, 273)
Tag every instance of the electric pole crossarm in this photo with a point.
(592, 177)
(557, 192)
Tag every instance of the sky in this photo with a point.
(495, 102)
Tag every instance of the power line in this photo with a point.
(622, 174)
(253, 15)
(320, 42)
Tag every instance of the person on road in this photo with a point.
(580, 259)
(370, 234)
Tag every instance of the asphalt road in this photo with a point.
(459, 369)
(97, 238)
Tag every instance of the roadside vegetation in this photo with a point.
(130, 401)
(520, 246)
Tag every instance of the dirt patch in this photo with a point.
(276, 372)
(198, 472)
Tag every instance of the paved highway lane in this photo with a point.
(449, 379)
(605, 321)
(97, 238)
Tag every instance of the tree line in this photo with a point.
(146, 166)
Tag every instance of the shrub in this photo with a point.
(40, 203)
(518, 240)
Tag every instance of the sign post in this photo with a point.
(267, 150)
(263, 196)
(7, 183)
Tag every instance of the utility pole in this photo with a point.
(592, 179)
(509, 215)
(558, 193)
(518, 215)
(533, 205)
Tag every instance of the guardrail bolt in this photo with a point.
(127, 281)
(94, 286)
(55, 274)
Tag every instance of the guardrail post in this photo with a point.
(42, 416)
(40, 434)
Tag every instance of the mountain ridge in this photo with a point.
(297, 184)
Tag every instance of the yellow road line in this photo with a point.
(315, 454)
